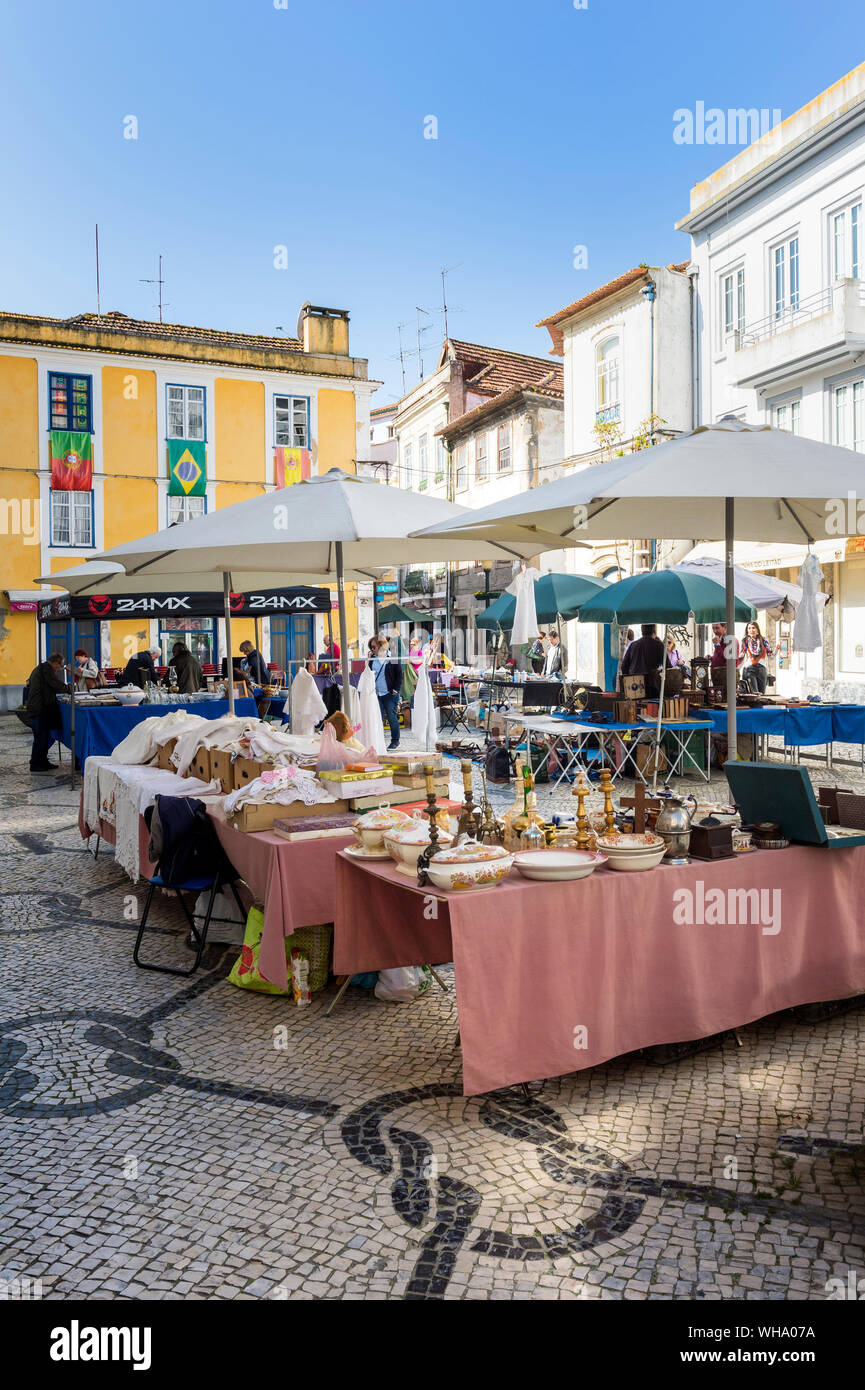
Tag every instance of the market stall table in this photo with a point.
(553, 978)
(293, 879)
(99, 728)
(571, 738)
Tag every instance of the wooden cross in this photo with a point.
(641, 804)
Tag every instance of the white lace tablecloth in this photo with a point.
(119, 794)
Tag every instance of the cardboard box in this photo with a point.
(200, 765)
(163, 756)
(400, 796)
(246, 770)
(261, 815)
(221, 769)
(369, 786)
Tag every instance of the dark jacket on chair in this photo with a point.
(183, 841)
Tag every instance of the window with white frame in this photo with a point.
(185, 412)
(291, 422)
(785, 277)
(461, 471)
(786, 416)
(71, 518)
(845, 235)
(441, 460)
(607, 359)
(406, 466)
(503, 449)
(482, 464)
(180, 509)
(423, 460)
(732, 315)
(848, 411)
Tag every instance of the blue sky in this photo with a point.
(303, 127)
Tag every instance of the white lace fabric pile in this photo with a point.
(120, 794)
(143, 741)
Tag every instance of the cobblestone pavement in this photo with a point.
(157, 1144)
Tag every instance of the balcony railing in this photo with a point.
(784, 319)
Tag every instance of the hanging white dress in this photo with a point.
(306, 705)
(525, 628)
(371, 727)
(806, 628)
(423, 714)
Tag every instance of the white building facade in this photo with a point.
(778, 259)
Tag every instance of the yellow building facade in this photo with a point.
(141, 388)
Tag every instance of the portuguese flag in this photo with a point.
(187, 468)
(71, 461)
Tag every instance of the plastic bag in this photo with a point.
(228, 933)
(333, 755)
(402, 985)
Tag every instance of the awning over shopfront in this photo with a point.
(298, 600)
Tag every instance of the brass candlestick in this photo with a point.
(492, 831)
(581, 791)
(427, 854)
(607, 789)
(469, 820)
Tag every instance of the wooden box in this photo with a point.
(261, 815)
(625, 712)
(711, 842)
(163, 755)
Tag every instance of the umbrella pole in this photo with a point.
(229, 666)
(343, 636)
(660, 713)
(69, 641)
(729, 532)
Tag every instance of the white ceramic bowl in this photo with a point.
(130, 697)
(556, 865)
(372, 836)
(630, 844)
(635, 863)
(467, 874)
(406, 855)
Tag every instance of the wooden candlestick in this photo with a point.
(427, 854)
(469, 815)
(581, 791)
(607, 789)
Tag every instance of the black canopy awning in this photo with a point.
(298, 600)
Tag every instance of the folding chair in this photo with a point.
(190, 885)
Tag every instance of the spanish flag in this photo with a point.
(71, 461)
(292, 465)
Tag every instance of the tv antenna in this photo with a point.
(159, 282)
(445, 272)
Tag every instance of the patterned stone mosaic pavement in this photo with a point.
(158, 1142)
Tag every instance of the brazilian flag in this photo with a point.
(187, 468)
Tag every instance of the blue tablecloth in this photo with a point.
(693, 724)
(100, 729)
(807, 725)
(771, 719)
(848, 723)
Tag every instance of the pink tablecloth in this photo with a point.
(294, 880)
(552, 978)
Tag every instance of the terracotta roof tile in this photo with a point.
(115, 322)
(494, 370)
(621, 282)
(552, 385)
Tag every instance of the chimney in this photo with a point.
(323, 330)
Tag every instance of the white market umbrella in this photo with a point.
(720, 481)
(332, 525)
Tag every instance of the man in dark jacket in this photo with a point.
(190, 677)
(141, 668)
(645, 657)
(253, 665)
(388, 679)
(43, 687)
